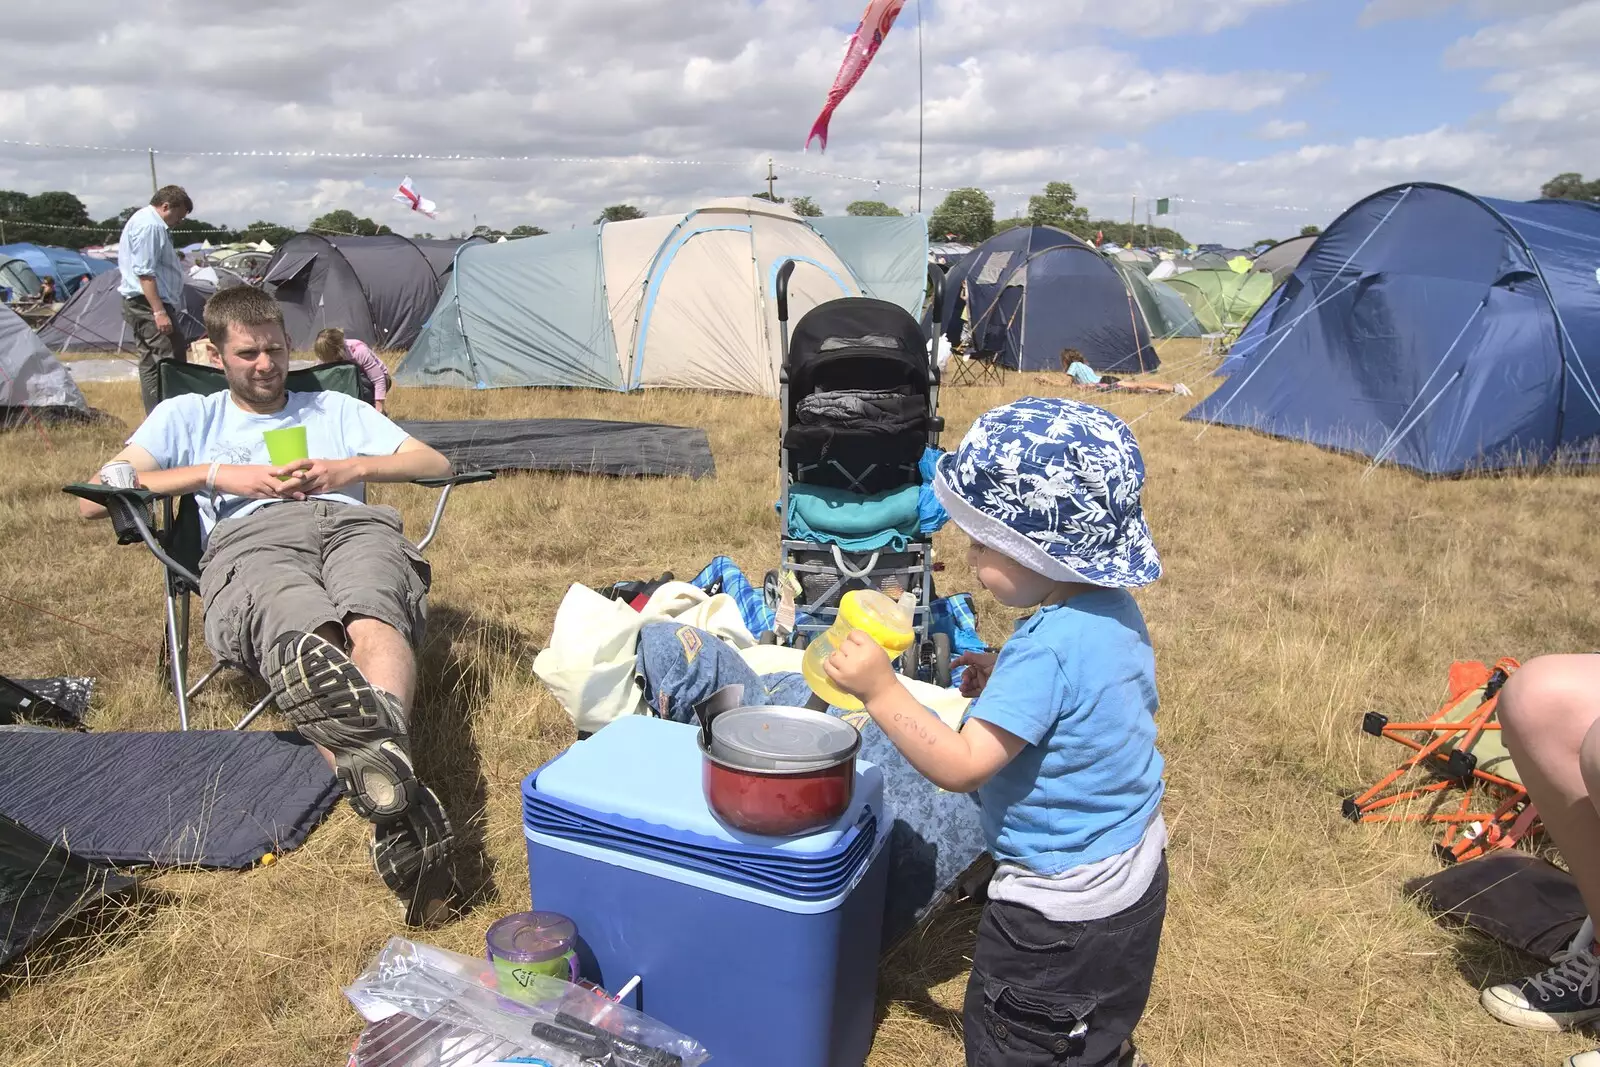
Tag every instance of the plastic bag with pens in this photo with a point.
(430, 1007)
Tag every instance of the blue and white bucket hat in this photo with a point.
(1054, 484)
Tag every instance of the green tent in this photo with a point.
(1222, 299)
(1164, 310)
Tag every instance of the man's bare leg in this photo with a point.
(1548, 711)
(1550, 716)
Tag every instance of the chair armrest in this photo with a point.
(104, 494)
(455, 479)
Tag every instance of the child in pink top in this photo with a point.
(332, 346)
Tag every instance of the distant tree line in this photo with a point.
(967, 216)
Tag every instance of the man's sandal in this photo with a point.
(330, 703)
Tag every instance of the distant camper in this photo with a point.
(152, 285)
(332, 347)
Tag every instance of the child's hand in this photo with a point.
(979, 666)
(860, 667)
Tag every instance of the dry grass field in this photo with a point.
(1297, 596)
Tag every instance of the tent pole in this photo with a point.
(152, 152)
(919, 107)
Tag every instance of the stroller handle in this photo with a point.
(783, 289)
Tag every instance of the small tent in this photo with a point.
(1163, 309)
(378, 289)
(1282, 258)
(1257, 330)
(16, 275)
(675, 301)
(1222, 298)
(32, 381)
(67, 266)
(1435, 329)
(91, 321)
(1033, 292)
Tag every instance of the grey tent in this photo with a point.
(92, 320)
(378, 289)
(1282, 258)
(16, 275)
(32, 381)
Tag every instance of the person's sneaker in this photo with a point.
(1585, 1059)
(331, 703)
(1560, 997)
(412, 854)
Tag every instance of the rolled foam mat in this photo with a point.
(579, 446)
(202, 798)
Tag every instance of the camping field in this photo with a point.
(1298, 595)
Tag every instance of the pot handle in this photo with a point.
(724, 699)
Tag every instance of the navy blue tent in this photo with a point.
(67, 266)
(1035, 291)
(1436, 330)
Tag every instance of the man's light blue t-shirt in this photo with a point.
(194, 430)
(146, 249)
(1077, 682)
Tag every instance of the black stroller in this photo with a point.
(859, 394)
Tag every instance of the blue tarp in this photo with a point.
(1436, 330)
(1035, 291)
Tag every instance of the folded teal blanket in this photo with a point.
(854, 522)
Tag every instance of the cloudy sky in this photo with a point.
(1260, 116)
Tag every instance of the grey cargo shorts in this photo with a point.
(301, 564)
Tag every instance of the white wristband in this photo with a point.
(211, 477)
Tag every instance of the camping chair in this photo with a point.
(982, 368)
(1460, 747)
(176, 540)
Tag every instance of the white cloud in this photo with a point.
(1018, 93)
(1281, 129)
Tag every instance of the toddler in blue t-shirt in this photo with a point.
(1059, 744)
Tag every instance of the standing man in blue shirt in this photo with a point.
(152, 285)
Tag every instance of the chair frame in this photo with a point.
(129, 510)
(1443, 750)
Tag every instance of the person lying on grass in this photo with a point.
(1059, 744)
(303, 582)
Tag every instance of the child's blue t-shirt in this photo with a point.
(1077, 682)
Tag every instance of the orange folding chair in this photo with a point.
(1457, 749)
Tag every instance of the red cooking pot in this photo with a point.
(776, 771)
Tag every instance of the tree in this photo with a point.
(805, 207)
(270, 232)
(619, 213)
(527, 231)
(59, 217)
(1002, 225)
(1310, 231)
(770, 198)
(1570, 186)
(1262, 241)
(871, 208)
(344, 221)
(1057, 206)
(966, 215)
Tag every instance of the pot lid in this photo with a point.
(531, 936)
(784, 735)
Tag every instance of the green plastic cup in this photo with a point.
(286, 445)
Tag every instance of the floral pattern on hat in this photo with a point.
(1055, 485)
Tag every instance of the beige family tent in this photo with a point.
(680, 301)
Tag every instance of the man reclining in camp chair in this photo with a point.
(303, 582)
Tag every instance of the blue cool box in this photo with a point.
(765, 950)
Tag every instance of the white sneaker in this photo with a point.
(1558, 998)
(1585, 1059)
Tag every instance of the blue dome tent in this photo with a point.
(1078, 301)
(1434, 329)
(65, 265)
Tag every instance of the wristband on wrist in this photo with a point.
(211, 477)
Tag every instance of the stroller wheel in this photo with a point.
(800, 642)
(941, 660)
(770, 590)
(767, 638)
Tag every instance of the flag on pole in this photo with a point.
(1164, 206)
(407, 195)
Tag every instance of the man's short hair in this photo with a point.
(242, 305)
(172, 196)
